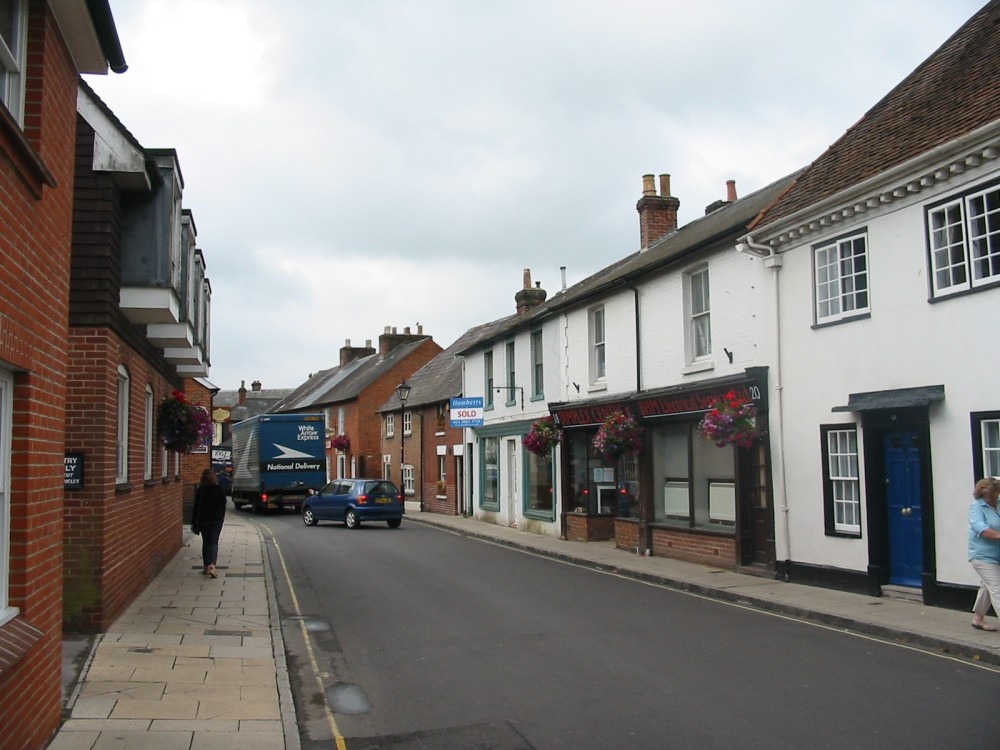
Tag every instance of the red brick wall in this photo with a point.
(117, 536)
(193, 464)
(627, 534)
(583, 528)
(36, 177)
(708, 549)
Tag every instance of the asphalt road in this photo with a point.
(419, 638)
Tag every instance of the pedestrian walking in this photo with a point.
(207, 517)
(984, 549)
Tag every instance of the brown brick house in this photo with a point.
(351, 393)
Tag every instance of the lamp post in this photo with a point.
(402, 393)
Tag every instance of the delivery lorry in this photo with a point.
(278, 460)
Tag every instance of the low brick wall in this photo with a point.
(627, 533)
(707, 549)
(583, 528)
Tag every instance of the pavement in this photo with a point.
(197, 663)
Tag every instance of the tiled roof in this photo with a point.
(441, 378)
(952, 93)
(345, 383)
(722, 224)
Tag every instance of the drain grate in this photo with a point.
(244, 575)
(141, 650)
(240, 633)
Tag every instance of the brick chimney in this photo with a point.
(390, 339)
(657, 213)
(350, 353)
(243, 393)
(255, 385)
(529, 297)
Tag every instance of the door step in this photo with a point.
(906, 593)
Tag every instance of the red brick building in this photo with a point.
(351, 394)
(50, 45)
(138, 315)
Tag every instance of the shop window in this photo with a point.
(541, 491)
(597, 487)
(490, 496)
(696, 479)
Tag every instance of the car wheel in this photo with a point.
(308, 518)
(394, 523)
(351, 520)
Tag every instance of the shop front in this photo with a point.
(681, 495)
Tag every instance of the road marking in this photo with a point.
(334, 729)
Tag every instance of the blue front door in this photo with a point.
(906, 545)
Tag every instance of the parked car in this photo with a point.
(354, 501)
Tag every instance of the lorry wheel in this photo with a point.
(351, 520)
(256, 507)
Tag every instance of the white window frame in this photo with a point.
(147, 461)
(13, 54)
(964, 253)
(408, 479)
(7, 612)
(390, 425)
(699, 314)
(488, 377)
(341, 420)
(442, 468)
(990, 436)
(845, 479)
(407, 423)
(510, 360)
(121, 433)
(386, 466)
(841, 290)
(597, 336)
(537, 365)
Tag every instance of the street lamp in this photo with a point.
(402, 393)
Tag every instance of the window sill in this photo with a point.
(595, 387)
(696, 367)
(848, 319)
(34, 174)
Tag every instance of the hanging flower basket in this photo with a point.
(543, 437)
(182, 426)
(618, 436)
(732, 421)
(341, 443)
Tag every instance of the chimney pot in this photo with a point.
(648, 184)
(255, 385)
(665, 185)
(731, 190)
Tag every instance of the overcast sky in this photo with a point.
(357, 164)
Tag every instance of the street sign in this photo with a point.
(467, 412)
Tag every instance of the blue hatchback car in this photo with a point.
(353, 501)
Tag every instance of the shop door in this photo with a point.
(906, 539)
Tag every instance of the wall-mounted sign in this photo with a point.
(467, 412)
(73, 471)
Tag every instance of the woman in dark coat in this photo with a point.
(207, 517)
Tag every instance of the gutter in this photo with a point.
(107, 34)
